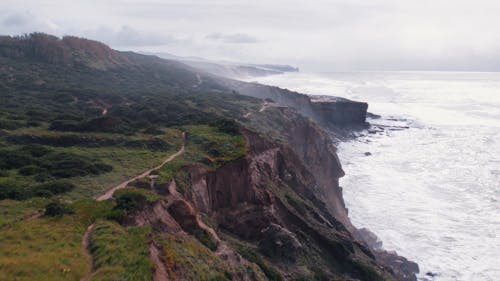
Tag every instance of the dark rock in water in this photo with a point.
(431, 274)
(372, 115)
(403, 269)
(373, 242)
(368, 153)
(279, 242)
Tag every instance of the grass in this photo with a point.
(42, 249)
(120, 253)
(206, 146)
(45, 248)
(126, 162)
(252, 256)
(187, 259)
(12, 211)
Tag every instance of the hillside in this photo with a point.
(210, 182)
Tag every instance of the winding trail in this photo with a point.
(86, 252)
(160, 272)
(109, 193)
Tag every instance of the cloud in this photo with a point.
(18, 22)
(127, 36)
(237, 38)
(323, 35)
(15, 19)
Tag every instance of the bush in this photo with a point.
(54, 188)
(252, 256)
(31, 170)
(153, 131)
(11, 190)
(227, 126)
(130, 201)
(35, 150)
(143, 183)
(67, 165)
(11, 159)
(56, 209)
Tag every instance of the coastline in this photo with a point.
(343, 120)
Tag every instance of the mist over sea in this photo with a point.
(430, 191)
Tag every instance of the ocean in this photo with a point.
(429, 187)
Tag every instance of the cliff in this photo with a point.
(330, 112)
(268, 204)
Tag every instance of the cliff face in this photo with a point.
(340, 113)
(330, 112)
(281, 203)
(268, 202)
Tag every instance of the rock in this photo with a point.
(369, 238)
(368, 153)
(403, 269)
(372, 115)
(431, 274)
(279, 242)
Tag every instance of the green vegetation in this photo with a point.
(187, 259)
(120, 253)
(45, 249)
(208, 146)
(57, 209)
(252, 256)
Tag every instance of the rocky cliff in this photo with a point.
(330, 112)
(279, 207)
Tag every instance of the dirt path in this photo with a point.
(85, 251)
(109, 193)
(264, 106)
(160, 273)
(172, 189)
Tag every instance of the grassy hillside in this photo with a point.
(78, 118)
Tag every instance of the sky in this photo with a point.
(315, 35)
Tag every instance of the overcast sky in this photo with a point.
(316, 35)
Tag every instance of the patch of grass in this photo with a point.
(44, 249)
(252, 256)
(204, 238)
(187, 259)
(207, 146)
(120, 253)
(297, 203)
(12, 211)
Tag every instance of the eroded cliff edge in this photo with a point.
(279, 207)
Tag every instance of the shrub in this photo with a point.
(130, 201)
(252, 256)
(67, 165)
(227, 126)
(31, 170)
(153, 131)
(56, 209)
(11, 159)
(54, 188)
(35, 150)
(11, 190)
